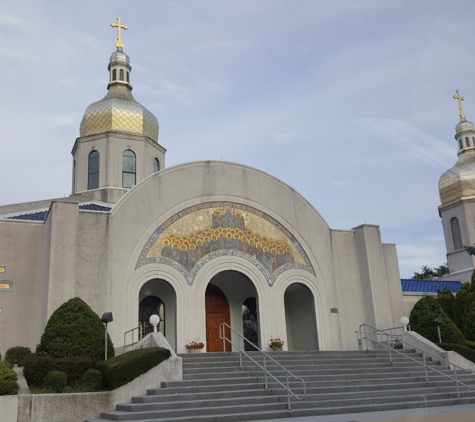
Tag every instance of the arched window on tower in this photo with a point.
(114, 75)
(121, 74)
(128, 169)
(467, 142)
(156, 165)
(456, 235)
(460, 143)
(128, 78)
(93, 171)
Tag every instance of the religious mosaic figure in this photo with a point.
(227, 232)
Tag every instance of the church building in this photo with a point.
(199, 244)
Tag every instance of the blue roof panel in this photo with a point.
(430, 286)
(41, 215)
(36, 216)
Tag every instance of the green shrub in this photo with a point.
(16, 355)
(74, 330)
(55, 381)
(92, 380)
(8, 380)
(466, 352)
(423, 316)
(37, 367)
(446, 299)
(470, 344)
(124, 368)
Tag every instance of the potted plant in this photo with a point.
(276, 344)
(194, 347)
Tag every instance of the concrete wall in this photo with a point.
(21, 320)
(81, 406)
(9, 408)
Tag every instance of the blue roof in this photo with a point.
(36, 216)
(41, 215)
(430, 286)
(94, 207)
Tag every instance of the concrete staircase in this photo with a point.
(215, 388)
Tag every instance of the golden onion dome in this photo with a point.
(459, 181)
(118, 111)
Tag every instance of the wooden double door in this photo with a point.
(217, 312)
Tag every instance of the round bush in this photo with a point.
(55, 381)
(74, 329)
(8, 380)
(92, 380)
(16, 355)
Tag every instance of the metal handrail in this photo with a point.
(376, 331)
(132, 331)
(223, 337)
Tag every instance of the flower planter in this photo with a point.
(194, 350)
(277, 349)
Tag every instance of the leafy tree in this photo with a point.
(423, 317)
(427, 272)
(74, 329)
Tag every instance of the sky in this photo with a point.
(350, 102)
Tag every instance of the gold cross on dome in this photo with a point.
(460, 99)
(119, 26)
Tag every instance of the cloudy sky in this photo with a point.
(348, 101)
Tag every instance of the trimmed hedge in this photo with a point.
(74, 329)
(37, 367)
(92, 380)
(466, 352)
(124, 368)
(8, 380)
(423, 316)
(16, 355)
(55, 381)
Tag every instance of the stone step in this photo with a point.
(217, 389)
(256, 413)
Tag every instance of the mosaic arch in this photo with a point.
(198, 234)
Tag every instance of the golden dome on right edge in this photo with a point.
(459, 181)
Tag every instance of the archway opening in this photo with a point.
(241, 296)
(249, 324)
(300, 319)
(158, 297)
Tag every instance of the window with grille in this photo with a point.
(128, 169)
(456, 235)
(93, 171)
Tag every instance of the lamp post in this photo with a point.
(154, 320)
(106, 318)
(439, 320)
(405, 322)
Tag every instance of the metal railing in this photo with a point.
(222, 335)
(389, 345)
(139, 335)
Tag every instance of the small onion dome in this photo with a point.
(118, 111)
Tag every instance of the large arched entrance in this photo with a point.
(300, 318)
(158, 297)
(234, 291)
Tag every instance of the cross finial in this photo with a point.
(119, 26)
(458, 97)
